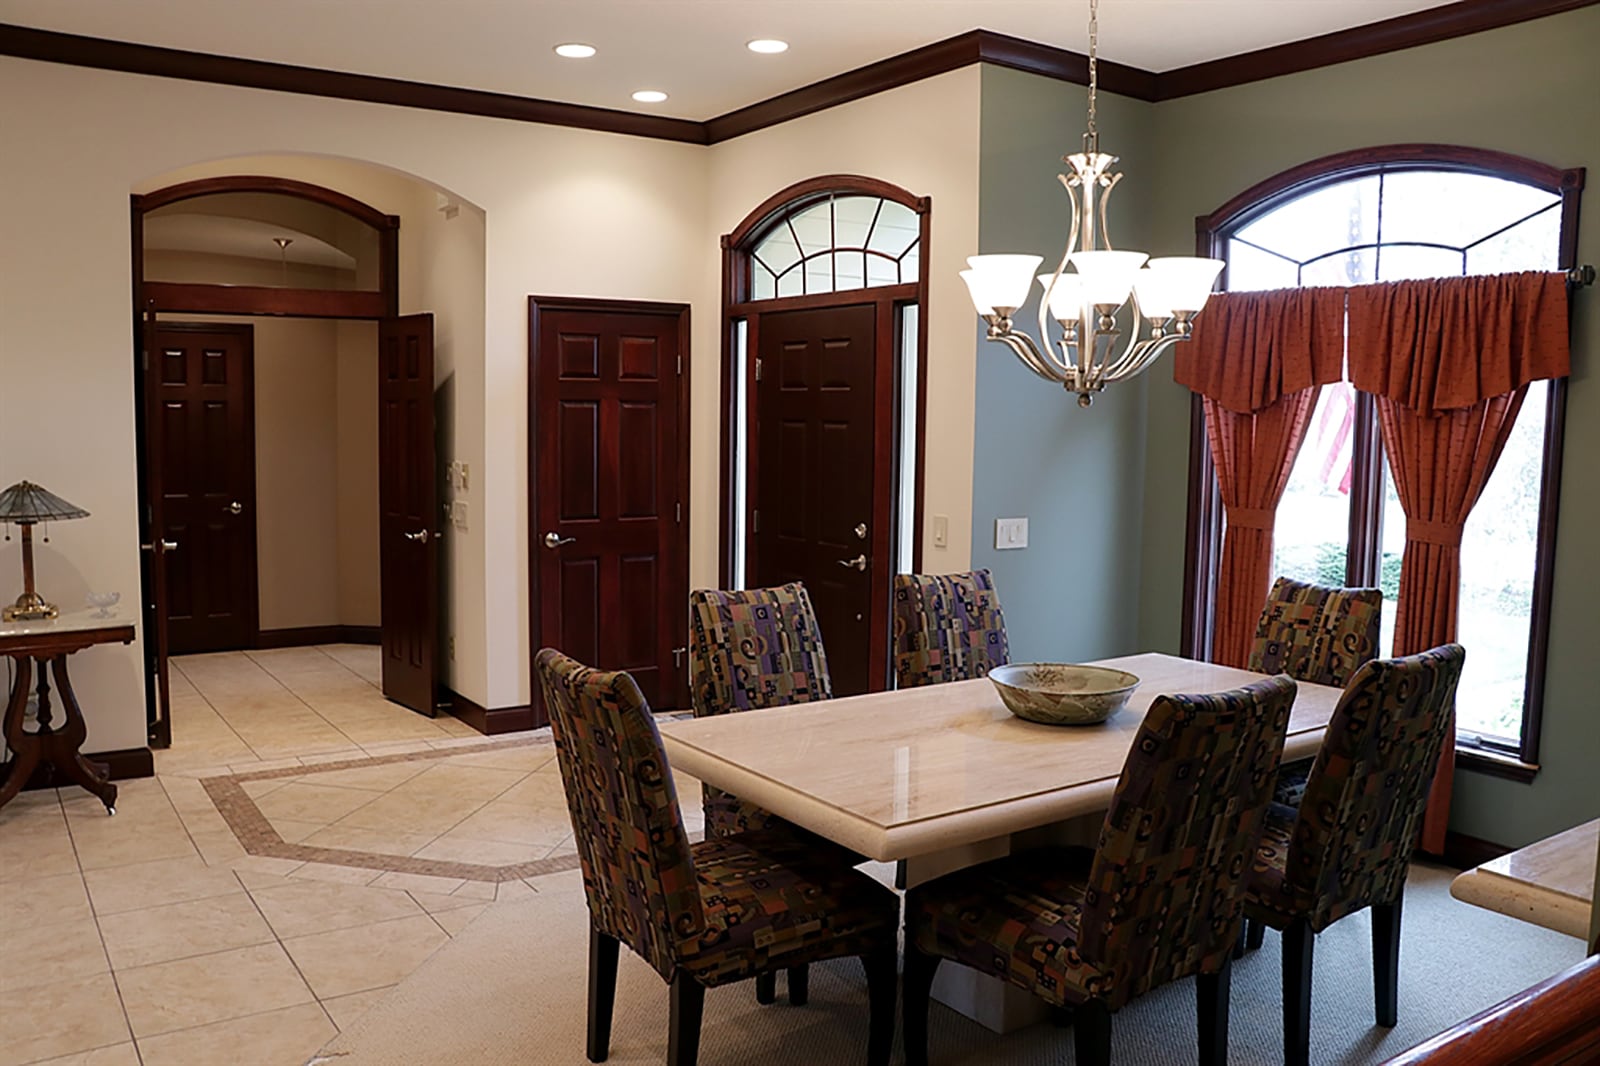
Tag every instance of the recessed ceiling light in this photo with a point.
(768, 46)
(575, 50)
(650, 96)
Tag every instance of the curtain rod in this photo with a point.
(1580, 276)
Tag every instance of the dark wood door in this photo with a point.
(609, 465)
(152, 553)
(204, 442)
(815, 464)
(408, 550)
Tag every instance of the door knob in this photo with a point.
(420, 536)
(234, 508)
(858, 563)
(168, 545)
(861, 531)
(556, 540)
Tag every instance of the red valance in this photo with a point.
(1250, 349)
(1445, 343)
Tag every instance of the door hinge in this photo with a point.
(755, 521)
(677, 512)
(680, 366)
(758, 369)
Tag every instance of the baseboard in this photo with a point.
(1464, 852)
(307, 636)
(124, 765)
(493, 723)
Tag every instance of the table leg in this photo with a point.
(24, 746)
(68, 744)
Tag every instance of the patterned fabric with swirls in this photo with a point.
(1355, 830)
(1162, 895)
(947, 627)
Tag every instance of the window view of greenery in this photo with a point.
(1390, 227)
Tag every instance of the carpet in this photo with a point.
(510, 989)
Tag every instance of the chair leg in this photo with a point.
(1256, 934)
(683, 1033)
(1297, 943)
(602, 992)
(767, 987)
(918, 985)
(799, 985)
(1211, 1009)
(1238, 943)
(1386, 962)
(1091, 1033)
(882, 983)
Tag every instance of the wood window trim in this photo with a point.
(1203, 531)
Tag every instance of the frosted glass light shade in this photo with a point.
(1154, 291)
(1066, 299)
(1185, 281)
(976, 291)
(1107, 276)
(1000, 280)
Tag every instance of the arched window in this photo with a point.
(1412, 211)
(836, 243)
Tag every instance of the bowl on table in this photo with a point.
(1063, 693)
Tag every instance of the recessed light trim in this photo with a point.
(575, 50)
(650, 96)
(768, 46)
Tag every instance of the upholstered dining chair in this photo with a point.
(1160, 898)
(947, 627)
(1348, 845)
(703, 915)
(1315, 633)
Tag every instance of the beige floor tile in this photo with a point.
(294, 832)
(479, 890)
(347, 1010)
(35, 848)
(115, 1055)
(41, 954)
(154, 884)
(209, 988)
(181, 930)
(382, 841)
(263, 866)
(342, 875)
(266, 787)
(517, 824)
(475, 782)
(394, 747)
(107, 845)
(63, 1018)
(197, 820)
(441, 886)
(368, 956)
(301, 908)
(380, 778)
(511, 892)
(452, 922)
(431, 814)
(50, 900)
(218, 849)
(457, 728)
(527, 759)
(311, 803)
(452, 848)
(541, 789)
(284, 1037)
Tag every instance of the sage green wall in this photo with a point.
(1527, 89)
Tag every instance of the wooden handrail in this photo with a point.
(1554, 1023)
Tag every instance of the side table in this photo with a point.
(45, 645)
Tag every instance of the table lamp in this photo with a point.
(26, 504)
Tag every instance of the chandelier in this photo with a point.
(1167, 293)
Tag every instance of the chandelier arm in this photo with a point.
(1116, 370)
(1105, 198)
(1023, 347)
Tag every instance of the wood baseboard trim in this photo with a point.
(1464, 852)
(125, 764)
(493, 723)
(307, 636)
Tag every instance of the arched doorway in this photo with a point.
(824, 376)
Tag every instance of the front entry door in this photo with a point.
(408, 526)
(815, 463)
(610, 539)
(202, 378)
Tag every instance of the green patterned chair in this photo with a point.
(1160, 899)
(1349, 845)
(947, 627)
(706, 914)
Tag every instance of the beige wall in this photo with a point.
(356, 386)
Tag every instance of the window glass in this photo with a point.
(1251, 269)
(1319, 222)
(836, 244)
(1459, 209)
(1359, 266)
(1402, 261)
(1312, 528)
(1525, 246)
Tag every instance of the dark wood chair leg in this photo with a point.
(1238, 944)
(1297, 943)
(602, 992)
(767, 987)
(1256, 934)
(882, 983)
(1211, 1009)
(799, 985)
(683, 1034)
(1386, 962)
(1091, 1033)
(917, 985)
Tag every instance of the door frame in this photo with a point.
(678, 556)
(737, 306)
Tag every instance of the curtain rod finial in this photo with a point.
(1580, 276)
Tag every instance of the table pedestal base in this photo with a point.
(60, 748)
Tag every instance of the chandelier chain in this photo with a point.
(1092, 137)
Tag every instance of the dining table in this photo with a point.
(941, 777)
(1552, 883)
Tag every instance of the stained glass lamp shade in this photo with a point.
(26, 504)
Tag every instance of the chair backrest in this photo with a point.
(947, 627)
(1364, 800)
(754, 649)
(637, 868)
(1316, 633)
(1166, 890)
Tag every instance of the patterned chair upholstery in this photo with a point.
(1349, 844)
(1319, 634)
(701, 914)
(947, 627)
(1161, 898)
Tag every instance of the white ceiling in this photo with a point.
(692, 49)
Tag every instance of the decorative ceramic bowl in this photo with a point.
(1063, 693)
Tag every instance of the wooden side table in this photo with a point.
(45, 645)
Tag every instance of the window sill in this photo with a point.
(1495, 764)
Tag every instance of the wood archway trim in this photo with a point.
(261, 183)
(798, 194)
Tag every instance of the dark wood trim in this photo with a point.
(309, 636)
(1202, 542)
(1464, 852)
(1544, 570)
(124, 764)
(200, 298)
(907, 293)
(1364, 543)
(500, 720)
(187, 190)
(803, 192)
(924, 287)
(1485, 762)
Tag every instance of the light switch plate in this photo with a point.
(941, 531)
(458, 514)
(1010, 533)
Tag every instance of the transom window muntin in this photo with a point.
(836, 243)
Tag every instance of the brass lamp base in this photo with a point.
(30, 607)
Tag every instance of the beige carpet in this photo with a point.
(510, 990)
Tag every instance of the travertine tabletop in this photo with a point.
(1551, 882)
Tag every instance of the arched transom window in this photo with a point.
(834, 244)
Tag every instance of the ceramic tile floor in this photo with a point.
(153, 937)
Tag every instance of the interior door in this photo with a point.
(152, 554)
(408, 547)
(610, 541)
(202, 377)
(815, 468)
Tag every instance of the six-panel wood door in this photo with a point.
(814, 493)
(408, 524)
(609, 537)
(202, 377)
